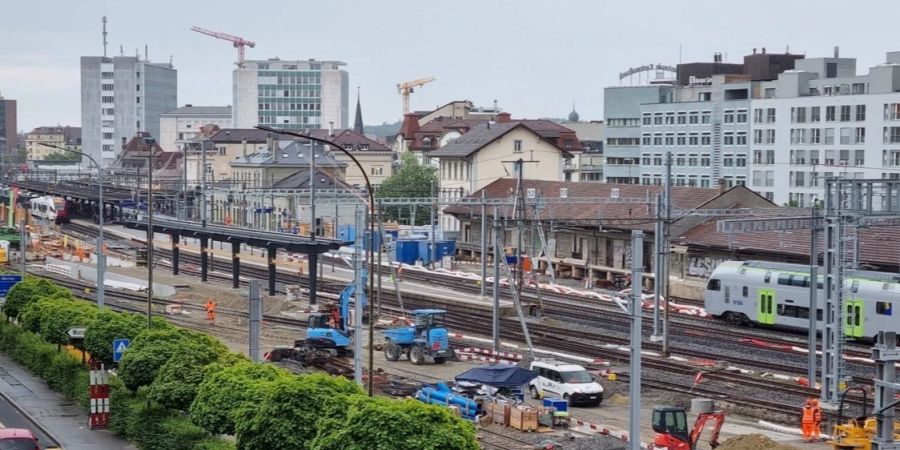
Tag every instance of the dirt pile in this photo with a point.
(753, 442)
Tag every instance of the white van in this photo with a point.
(567, 381)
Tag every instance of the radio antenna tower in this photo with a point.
(104, 36)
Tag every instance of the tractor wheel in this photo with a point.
(451, 355)
(391, 351)
(417, 355)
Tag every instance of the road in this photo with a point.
(11, 417)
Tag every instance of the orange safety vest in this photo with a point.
(817, 414)
(808, 415)
(210, 306)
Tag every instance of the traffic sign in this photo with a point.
(76, 332)
(7, 282)
(119, 347)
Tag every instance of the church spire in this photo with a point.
(358, 123)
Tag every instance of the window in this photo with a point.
(107, 87)
(770, 115)
(682, 118)
(829, 159)
(714, 285)
(728, 138)
(741, 138)
(860, 112)
(646, 139)
(646, 119)
(657, 139)
(758, 178)
(679, 160)
(517, 145)
(845, 113)
(757, 136)
(740, 160)
(657, 160)
(728, 116)
(657, 119)
(891, 135)
(770, 136)
(377, 170)
(860, 135)
(814, 157)
(692, 139)
(815, 136)
(798, 114)
(704, 162)
(670, 118)
(757, 157)
(741, 116)
(758, 115)
(728, 160)
(693, 118)
(891, 157)
(829, 113)
(859, 157)
(706, 117)
(815, 113)
(645, 160)
(829, 136)
(692, 160)
(681, 139)
(892, 111)
(670, 139)
(706, 139)
(704, 181)
(844, 157)
(884, 308)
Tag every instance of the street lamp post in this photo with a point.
(372, 215)
(101, 258)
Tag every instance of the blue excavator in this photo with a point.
(330, 332)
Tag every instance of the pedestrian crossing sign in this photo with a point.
(119, 347)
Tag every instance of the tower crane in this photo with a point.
(238, 42)
(407, 87)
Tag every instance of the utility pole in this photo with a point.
(813, 306)
(23, 240)
(634, 379)
(312, 192)
(657, 268)
(665, 252)
(359, 294)
(255, 319)
(496, 285)
(150, 238)
(431, 256)
(519, 166)
(483, 244)
(202, 184)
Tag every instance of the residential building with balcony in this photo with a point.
(822, 120)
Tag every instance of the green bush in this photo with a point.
(108, 326)
(63, 314)
(29, 290)
(226, 390)
(381, 423)
(146, 355)
(288, 411)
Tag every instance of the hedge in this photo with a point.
(180, 389)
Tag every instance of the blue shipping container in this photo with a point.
(445, 248)
(407, 251)
(346, 233)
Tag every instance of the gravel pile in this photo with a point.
(753, 442)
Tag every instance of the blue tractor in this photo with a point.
(425, 339)
(329, 333)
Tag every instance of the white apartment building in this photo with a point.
(120, 97)
(291, 94)
(178, 127)
(823, 120)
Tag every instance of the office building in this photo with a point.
(8, 136)
(821, 120)
(291, 94)
(180, 126)
(120, 97)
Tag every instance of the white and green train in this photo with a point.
(777, 294)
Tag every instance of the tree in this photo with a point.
(411, 180)
(27, 291)
(288, 411)
(381, 423)
(111, 325)
(226, 390)
(63, 314)
(62, 157)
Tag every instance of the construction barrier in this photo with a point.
(99, 394)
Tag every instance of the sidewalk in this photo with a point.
(64, 419)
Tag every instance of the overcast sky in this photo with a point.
(534, 57)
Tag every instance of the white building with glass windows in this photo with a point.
(823, 120)
(705, 127)
(305, 94)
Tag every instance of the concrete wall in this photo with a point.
(245, 96)
(335, 98)
(90, 107)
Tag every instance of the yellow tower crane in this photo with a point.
(407, 88)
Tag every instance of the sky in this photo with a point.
(534, 57)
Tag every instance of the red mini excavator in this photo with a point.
(670, 425)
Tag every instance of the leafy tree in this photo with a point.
(34, 313)
(63, 314)
(108, 326)
(381, 423)
(178, 379)
(62, 157)
(29, 290)
(146, 354)
(383, 130)
(411, 180)
(288, 411)
(226, 390)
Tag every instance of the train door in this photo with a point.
(853, 318)
(766, 306)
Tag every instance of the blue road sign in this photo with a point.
(7, 282)
(119, 347)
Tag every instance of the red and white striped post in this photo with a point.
(99, 393)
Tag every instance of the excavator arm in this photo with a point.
(719, 417)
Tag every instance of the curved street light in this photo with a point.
(101, 258)
(371, 382)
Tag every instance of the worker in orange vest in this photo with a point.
(210, 310)
(817, 420)
(808, 421)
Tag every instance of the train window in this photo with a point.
(798, 312)
(727, 294)
(799, 280)
(768, 277)
(744, 291)
(784, 279)
(714, 285)
(884, 308)
(855, 286)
